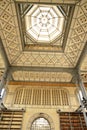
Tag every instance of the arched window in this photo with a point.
(40, 124)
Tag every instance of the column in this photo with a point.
(5, 79)
(83, 99)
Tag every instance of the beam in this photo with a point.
(42, 69)
(82, 56)
(48, 2)
(45, 84)
(68, 25)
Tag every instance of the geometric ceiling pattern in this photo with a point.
(43, 27)
(45, 24)
(43, 59)
(10, 35)
(42, 76)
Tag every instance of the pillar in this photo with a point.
(83, 99)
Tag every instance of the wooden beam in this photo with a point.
(45, 84)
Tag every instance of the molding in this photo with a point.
(53, 2)
(45, 84)
(42, 69)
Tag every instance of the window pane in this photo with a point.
(40, 124)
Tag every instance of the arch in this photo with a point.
(40, 123)
(40, 115)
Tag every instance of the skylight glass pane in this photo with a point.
(27, 22)
(44, 23)
(39, 16)
(55, 22)
(34, 21)
(55, 35)
(51, 21)
(44, 28)
(49, 26)
(41, 38)
(53, 13)
(36, 12)
(44, 13)
(33, 34)
(51, 30)
(60, 24)
(49, 16)
(44, 8)
(38, 20)
(44, 33)
(37, 29)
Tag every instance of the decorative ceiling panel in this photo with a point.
(9, 29)
(43, 59)
(77, 34)
(42, 76)
(12, 41)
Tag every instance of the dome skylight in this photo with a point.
(44, 23)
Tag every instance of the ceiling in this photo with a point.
(52, 62)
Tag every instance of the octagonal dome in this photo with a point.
(44, 23)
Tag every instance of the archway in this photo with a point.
(45, 121)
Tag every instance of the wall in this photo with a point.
(32, 110)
